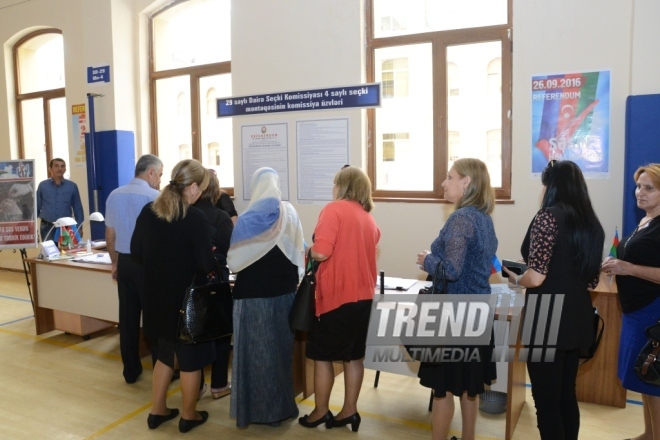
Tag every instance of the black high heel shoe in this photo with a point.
(353, 420)
(328, 419)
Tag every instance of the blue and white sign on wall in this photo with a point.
(362, 96)
(98, 74)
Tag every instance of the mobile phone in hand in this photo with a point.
(514, 266)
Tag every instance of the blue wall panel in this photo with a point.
(642, 147)
(115, 166)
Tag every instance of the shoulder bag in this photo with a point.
(206, 313)
(303, 310)
(439, 285)
(599, 325)
(647, 366)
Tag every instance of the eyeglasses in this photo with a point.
(345, 166)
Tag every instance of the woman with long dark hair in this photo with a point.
(563, 250)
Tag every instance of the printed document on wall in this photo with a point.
(265, 145)
(322, 150)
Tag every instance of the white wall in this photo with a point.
(298, 44)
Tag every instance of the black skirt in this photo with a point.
(191, 357)
(340, 334)
(460, 377)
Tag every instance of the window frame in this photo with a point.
(46, 96)
(440, 40)
(195, 73)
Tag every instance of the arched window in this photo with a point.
(184, 152)
(452, 79)
(210, 103)
(495, 77)
(214, 154)
(190, 65)
(40, 103)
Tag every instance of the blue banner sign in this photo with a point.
(366, 95)
(98, 74)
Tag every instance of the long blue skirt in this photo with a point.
(632, 341)
(262, 369)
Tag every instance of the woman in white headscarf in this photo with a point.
(267, 253)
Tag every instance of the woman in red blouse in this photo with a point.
(345, 240)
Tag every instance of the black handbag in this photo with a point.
(206, 313)
(647, 366)
(303, 310)
(599, 325)
(417, 352)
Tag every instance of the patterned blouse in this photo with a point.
(543, 238)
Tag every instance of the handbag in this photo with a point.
(599, 325)
(303, 310)
(416, 351)
(206, 313)
(647, 366)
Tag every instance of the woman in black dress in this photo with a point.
(225, 203)
(221, 228)
(563, 249)
(637, 271)
(172, 241)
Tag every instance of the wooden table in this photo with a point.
(77, 298)
(597, 380)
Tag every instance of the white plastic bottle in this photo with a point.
(89, 246)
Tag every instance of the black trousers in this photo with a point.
(553, 389)
(221, 363)
(130, 283)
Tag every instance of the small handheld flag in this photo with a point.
(496, 266)
(615, 243)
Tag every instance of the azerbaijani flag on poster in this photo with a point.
(615, 243)
(496, 266)
(571, 120)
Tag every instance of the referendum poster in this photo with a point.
(571, 121)
(18, 205)
(79, 124)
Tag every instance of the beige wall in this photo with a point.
(298, 44)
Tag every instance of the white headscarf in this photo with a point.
(267, 222)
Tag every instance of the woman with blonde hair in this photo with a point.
(465, 248)
(345, 241)
(172, 241)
